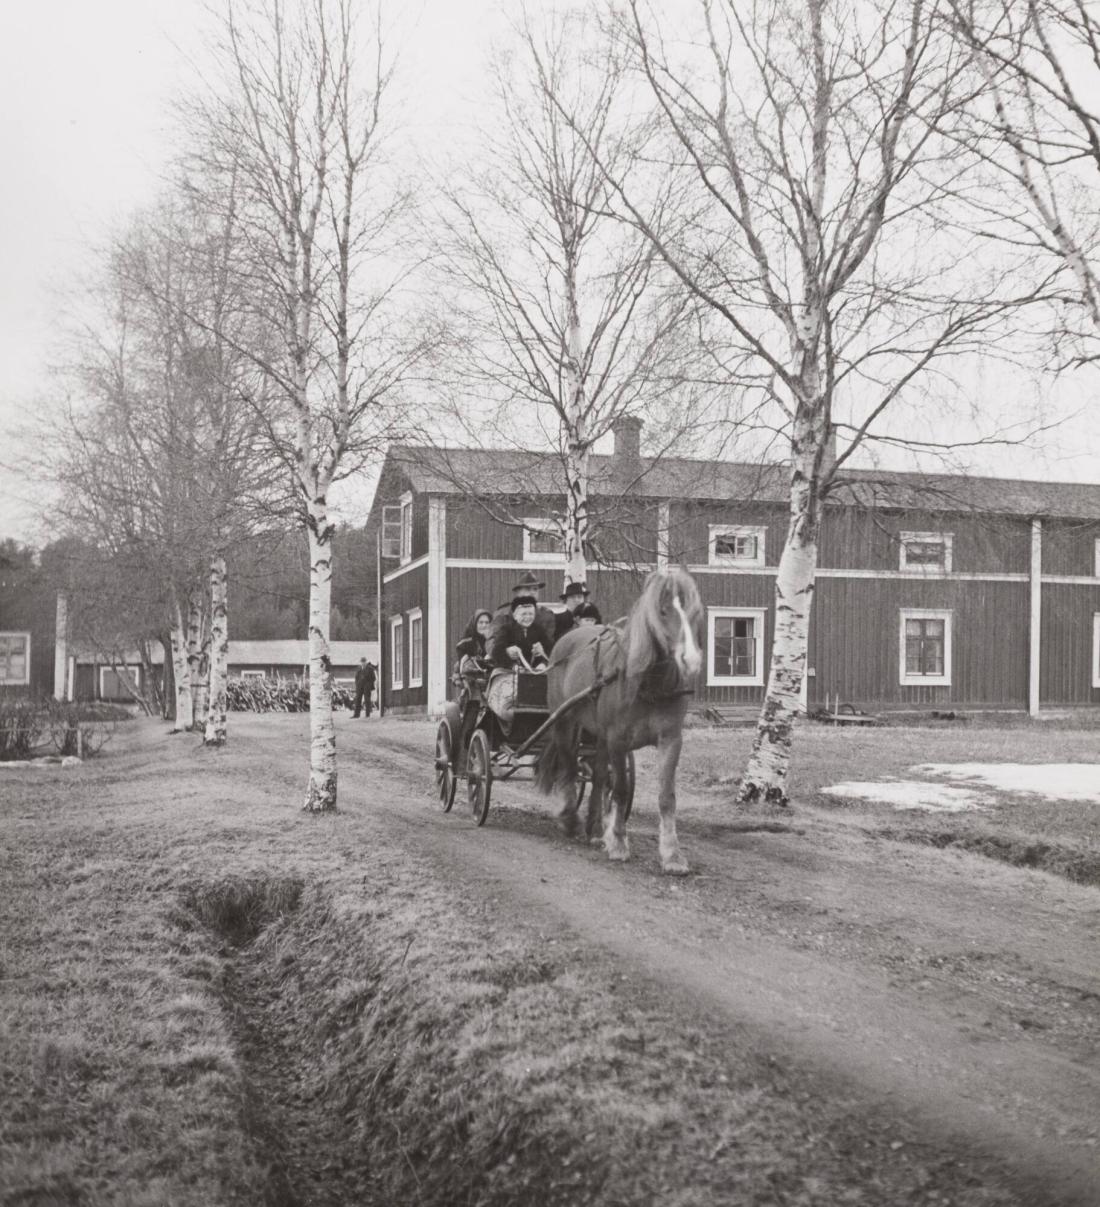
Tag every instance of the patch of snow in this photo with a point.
(910, 794)
(1055, 781)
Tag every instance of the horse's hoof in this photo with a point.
(618, 852)
(676, 866)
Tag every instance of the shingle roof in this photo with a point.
(515, 471)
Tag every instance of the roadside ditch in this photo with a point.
(398, 1045)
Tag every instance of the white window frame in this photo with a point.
(126, 668)
(714, 531)
(912, 680)
(397, 652)
(1096, 558)
(536, 524)
(25, 681)
(406, 528)
(1096, 649)
(417, 615)
(253, 674)
(946, 539)
(390, 535)
(759, 617)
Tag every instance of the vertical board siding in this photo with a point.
(1069, 547)
(689, 524)
(856, 648)
(1067, 653)
(737, 591)
(398, 598)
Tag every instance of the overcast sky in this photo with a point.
(85, 129)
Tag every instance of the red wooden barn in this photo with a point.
(933, 592)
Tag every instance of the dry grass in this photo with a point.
(208, 998)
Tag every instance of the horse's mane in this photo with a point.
(646, 635)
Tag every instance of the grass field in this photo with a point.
(207, 999)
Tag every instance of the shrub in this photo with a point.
(81, 729)
(21, 726)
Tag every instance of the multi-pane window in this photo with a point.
(735, 641)
(391, 530)
(736, 545)
(15, 659)
(926, 551)
(397, 652)
(416, 648)
(406, 528)
(925, 646)
(542, 539)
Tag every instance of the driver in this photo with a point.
(518, 641)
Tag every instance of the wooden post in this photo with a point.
(1035, 624)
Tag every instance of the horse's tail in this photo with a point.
(556, 765)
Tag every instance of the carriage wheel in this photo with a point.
(445, 778)
(479, 776)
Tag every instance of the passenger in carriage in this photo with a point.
(473, 648)
(573, 597)
(587, 614)
(527, 585)
(519, 641)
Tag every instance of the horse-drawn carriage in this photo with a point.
(473, 743)
(609, 690)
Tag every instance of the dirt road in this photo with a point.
(958, 995)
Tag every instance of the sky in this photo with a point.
(86, 91)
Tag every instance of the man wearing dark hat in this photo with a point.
(547, 620)
(573, 596)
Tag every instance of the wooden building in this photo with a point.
(933, 592)
(34, 656)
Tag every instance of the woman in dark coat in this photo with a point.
(519, 638)
(475, 638)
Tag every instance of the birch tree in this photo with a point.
(821, 184)
(301, 113)
(563, 321)
(1038, 126)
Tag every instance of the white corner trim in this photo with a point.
(1096, 649)
(911, 680)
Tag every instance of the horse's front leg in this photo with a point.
(668, 758)
(614, 818)
(567, 818)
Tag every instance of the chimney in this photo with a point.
(627, 431)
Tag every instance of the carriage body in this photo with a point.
(473, 743)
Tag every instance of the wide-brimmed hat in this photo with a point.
(520, 600)
(574, 589)
(528, 583)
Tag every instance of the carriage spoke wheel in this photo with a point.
(445, 778)
(479, 776)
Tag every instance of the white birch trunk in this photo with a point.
(321, 794)
(576, 443)
(181, 671)
(765, 777)
(216, 729)
(195, 676)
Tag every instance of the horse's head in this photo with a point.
(666, 625)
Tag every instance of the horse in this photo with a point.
(643, 668)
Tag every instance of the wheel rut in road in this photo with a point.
(818, 945)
